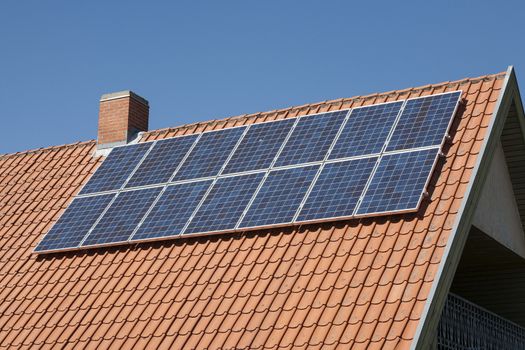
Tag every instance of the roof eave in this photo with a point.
(425, 332)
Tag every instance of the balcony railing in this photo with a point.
(466, 326)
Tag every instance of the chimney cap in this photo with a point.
(122, 94)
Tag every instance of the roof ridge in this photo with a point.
(47, 149)
(357, 98)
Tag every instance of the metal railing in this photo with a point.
(466, 326)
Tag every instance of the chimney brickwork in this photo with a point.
(122, 115)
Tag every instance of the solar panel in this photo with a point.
(75, 223)
(121, 218)
(337, 189)
(116, 168)
(173, 210)
(424, 121)
(366, 130)
(311, 138)
(399, 182)
(279, 197)
(259, 147)
(223, 206)
(366, 161)
(208, 156)
(162, 161)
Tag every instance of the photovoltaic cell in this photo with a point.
(259, 146)
(122, 217)
(173, 210)
(337, 189)
(399, 182)
(75, 223)
(366, 130)
(311, 138)
(424, 121)
(162, 161)
(279, 197)
(210, 153)
(224, 205)
(116, 168)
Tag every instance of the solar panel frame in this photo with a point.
(315, 169)
(424, 188)
(87, 241)
(227, 177)
(102, 168)
(373, 157)
(193, 139)
(110, 196)
(446, 131)
(387, 135)
(293, 121)
(331, 122)
(217, 169)
(207, 183)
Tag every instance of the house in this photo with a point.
(450, 276)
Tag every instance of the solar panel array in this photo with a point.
(365, 161)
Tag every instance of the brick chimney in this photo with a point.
(122, 115)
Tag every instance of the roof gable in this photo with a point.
(497, 213)
(362, 283)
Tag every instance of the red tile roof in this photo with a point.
(355, 283)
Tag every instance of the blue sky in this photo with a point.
(200, 60)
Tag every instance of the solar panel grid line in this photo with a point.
(234, 149)
(164, 188)
(147, 213)
(159, 162)
(393, 128)
(346, 183)
(188, 181)
(184, 158)
(364, 131)
(338, 160)
(326, 157)
(337, 135)
(206, 158)
(424, 148)
(115, 228)
(294, 219)
(138, 164)
(253, 148)
(216, 190)
(96, 176)
(126, 180)
(451, 119)
(267, 172)
(311, 138)
(448, 117)
(215, 179)
(161, 206)
(363, 192)
(98, 219)
(61, 218)
(385, 145)
(275, 205)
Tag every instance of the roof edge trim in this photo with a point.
(423, 337)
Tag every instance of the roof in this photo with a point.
(362, 283)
